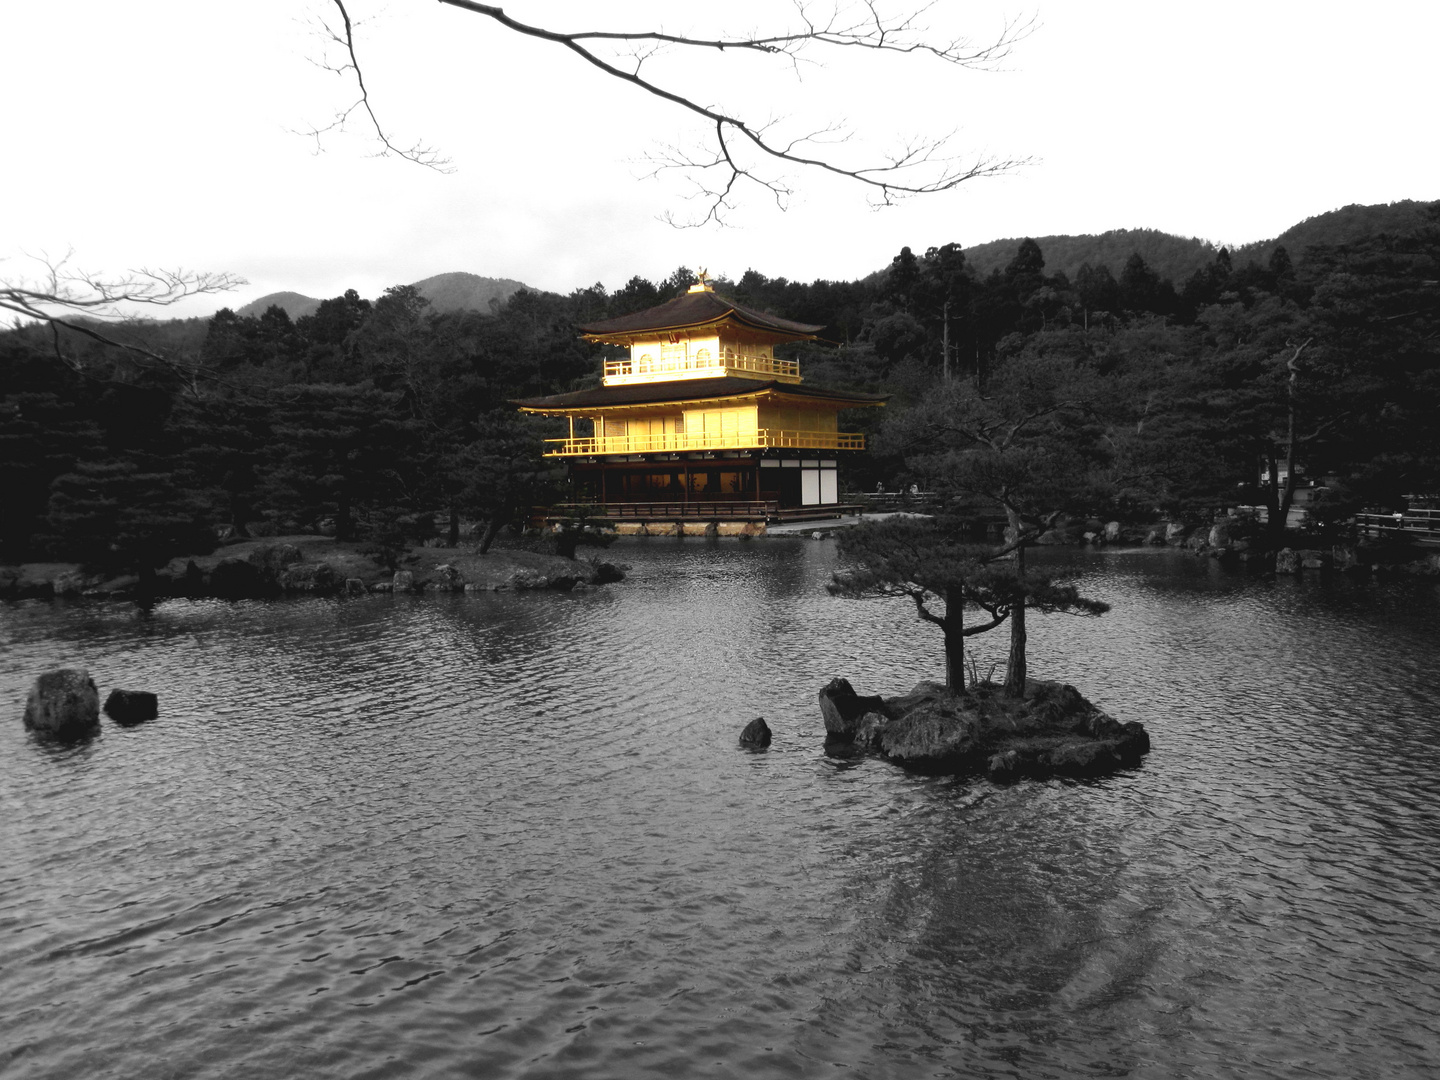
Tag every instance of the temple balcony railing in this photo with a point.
(703, 510)
(621, 372)
(761, 439)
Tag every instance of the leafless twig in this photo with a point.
(417, 152)
(921, 166)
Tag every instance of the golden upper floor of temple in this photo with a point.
(699, 335)
(702, 377)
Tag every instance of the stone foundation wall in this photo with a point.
(690, 528)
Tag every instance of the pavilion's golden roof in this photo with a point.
(701, 307)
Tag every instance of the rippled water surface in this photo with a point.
(514, 836)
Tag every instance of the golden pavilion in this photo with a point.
(702, 421)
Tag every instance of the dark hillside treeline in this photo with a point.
(385, 420)
(1178, 257)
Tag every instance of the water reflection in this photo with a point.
(514, 835)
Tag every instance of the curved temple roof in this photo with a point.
(702, 307)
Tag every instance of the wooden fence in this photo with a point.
(1415, 526)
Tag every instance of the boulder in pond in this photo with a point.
(446, 578)
(755, 733)
(131, 706)
(318, 578)
(273, 558)
(606, 572)
(63, 704)
(936, 734)
(849, 717)
(237, 579)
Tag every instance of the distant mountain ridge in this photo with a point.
(1178, 257)
(295, 305)
(1170, 256)
(455, 291)
(459, 291)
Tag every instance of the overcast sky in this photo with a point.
(169, 133)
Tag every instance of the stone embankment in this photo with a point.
(1052, 731)
(1242, 539)
(314, 566)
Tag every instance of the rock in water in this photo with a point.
(236, 579)
(849, 717)
(131, 706)
(64, 704)
(322, 579)
(756, 733)
(448, 579)
(272, 558)
(935, 735)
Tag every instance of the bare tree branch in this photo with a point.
(419, 153)
(86, 303)
(920, 166)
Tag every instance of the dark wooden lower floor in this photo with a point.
(729, 487)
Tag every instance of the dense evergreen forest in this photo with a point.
(382, 419)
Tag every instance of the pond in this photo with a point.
(514, 835)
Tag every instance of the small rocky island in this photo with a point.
(1051, 731)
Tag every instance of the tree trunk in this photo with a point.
(1015, 668)
(954, 627)
(492, 530)
(240, 512)
(1286, 494)
(147, 589)
(452, 538)
(1274, 522)
(344, 526)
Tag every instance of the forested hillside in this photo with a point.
(1347, 225)
(456, 291)
(1173, 257)
(460, 291)
(1178, 257)
(384, 418)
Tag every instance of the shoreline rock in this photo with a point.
(1052, 731)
